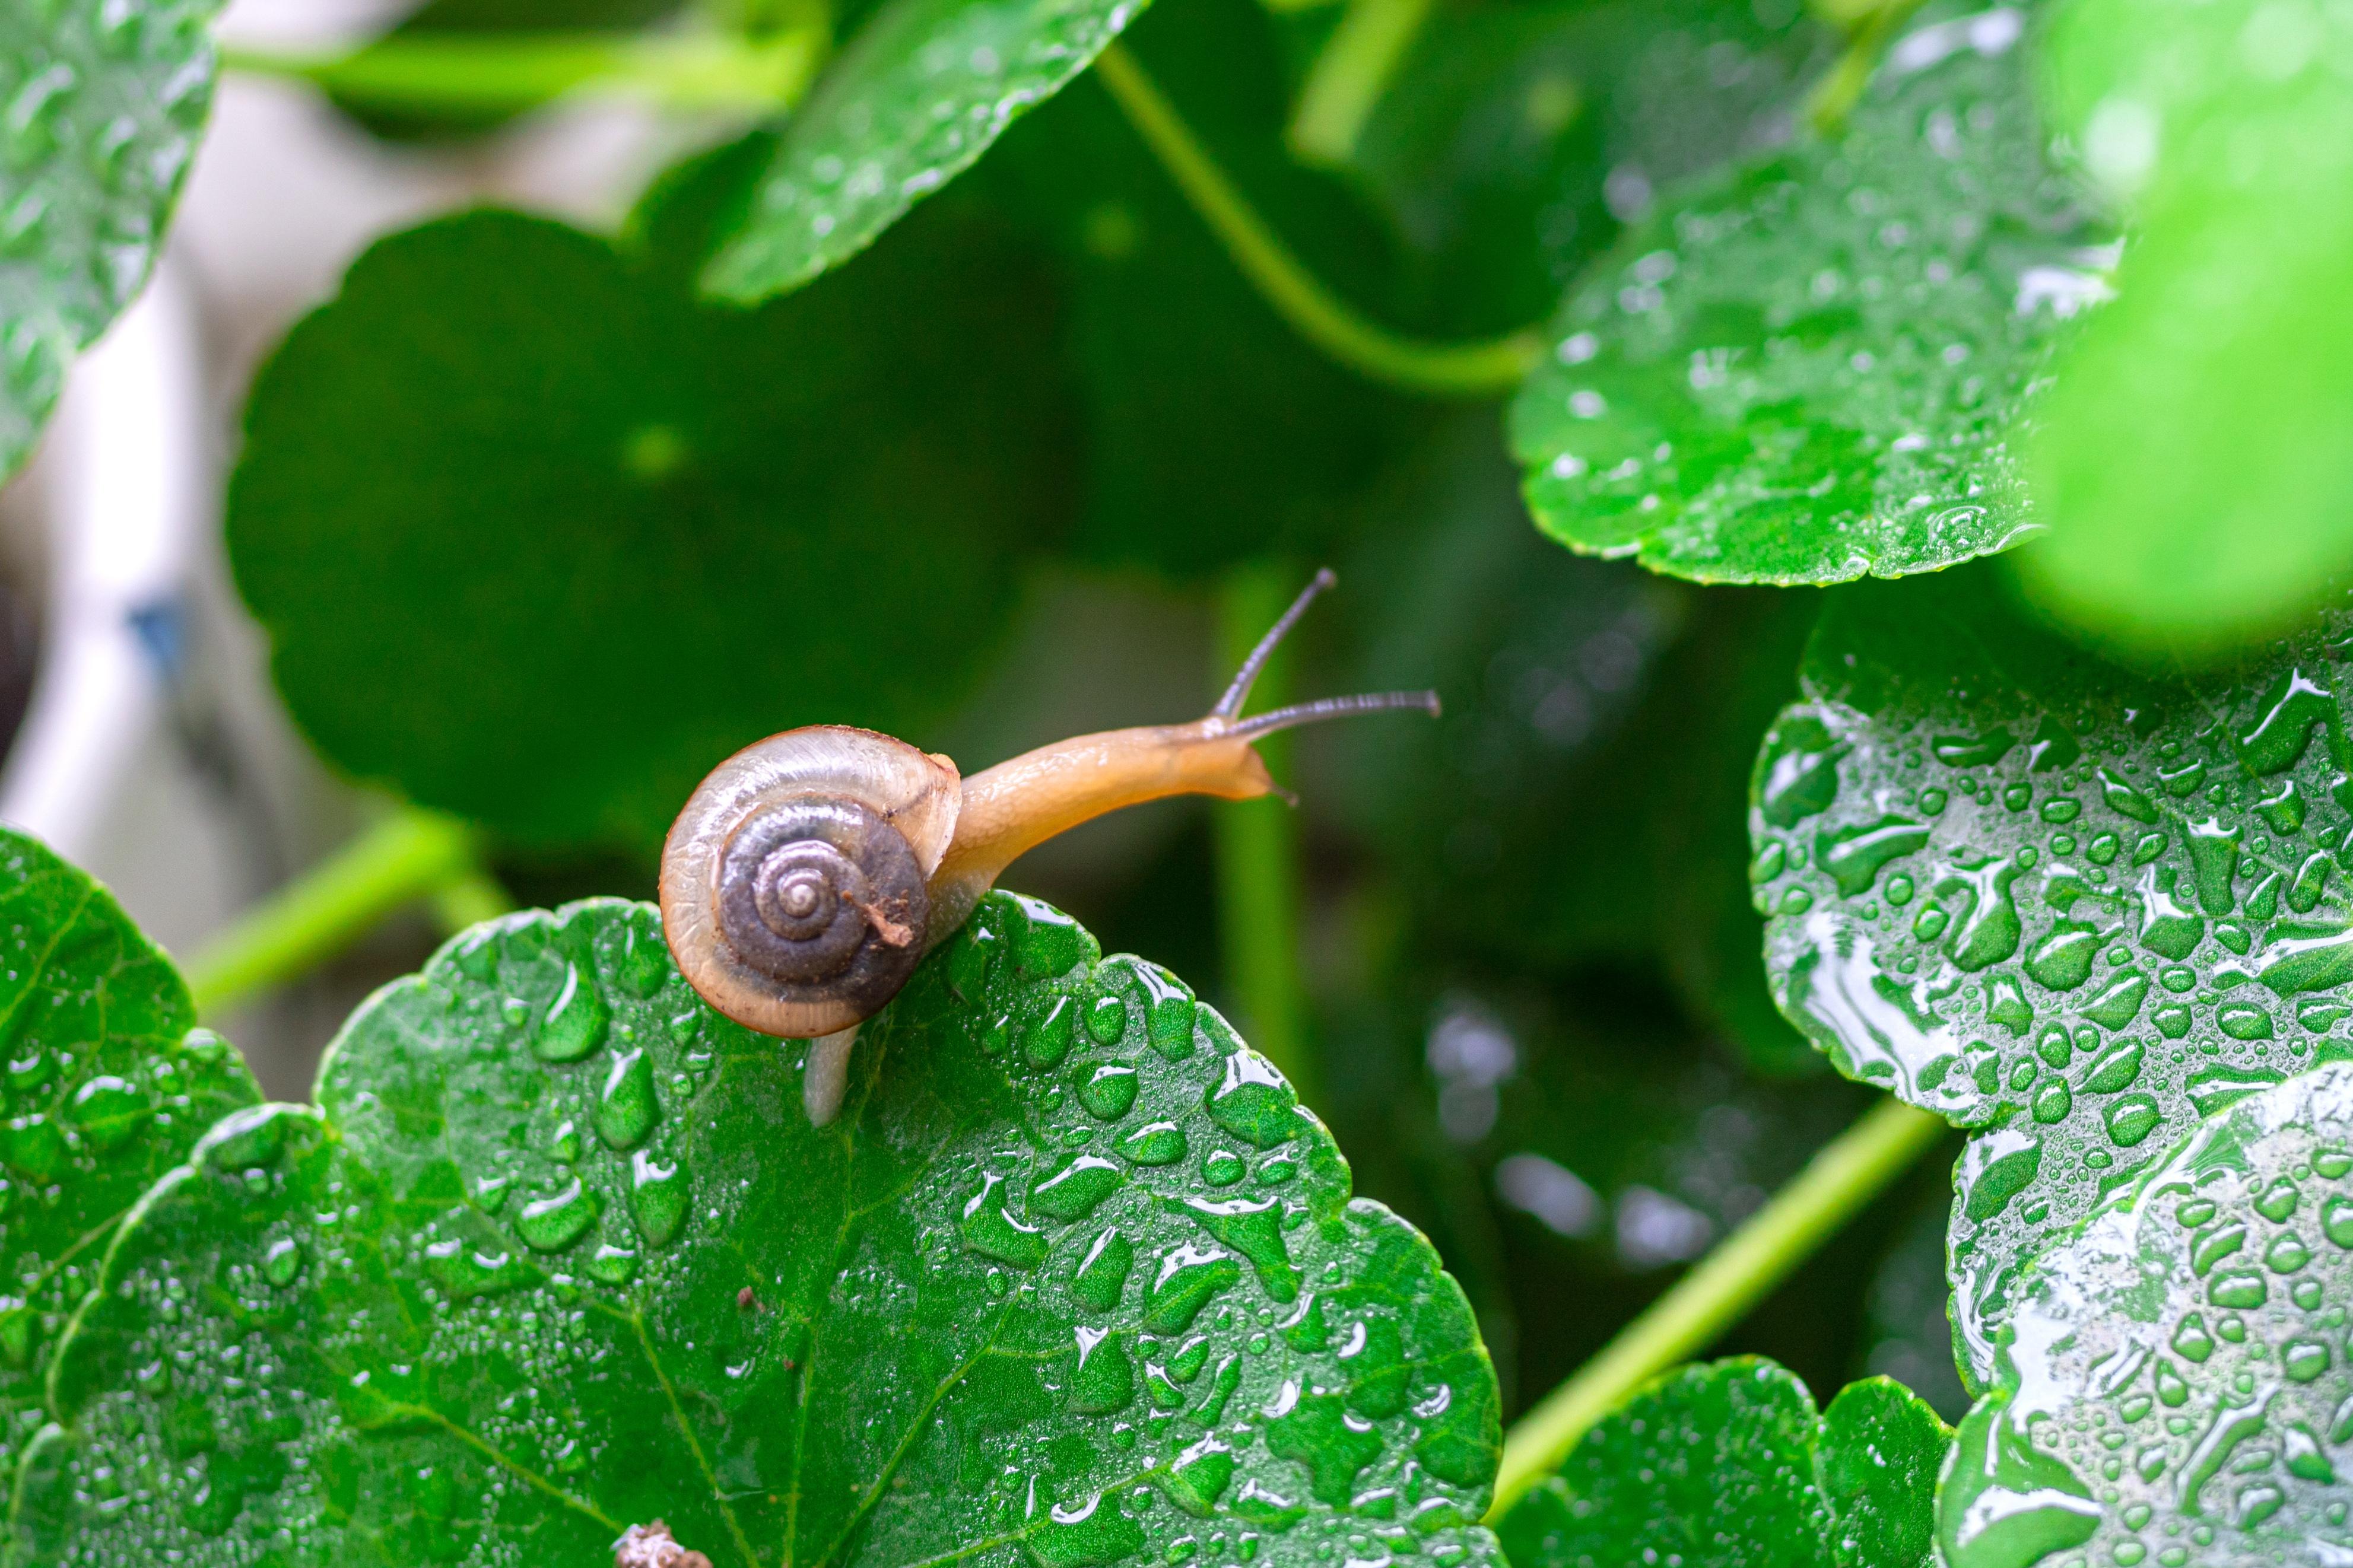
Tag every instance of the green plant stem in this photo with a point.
(1257, 848)
(1835, 97)
(1838, 1180)
(412, 853)
(515, 71)
(1350, 75)
(1454, 369)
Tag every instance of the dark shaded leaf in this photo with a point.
(641, 533)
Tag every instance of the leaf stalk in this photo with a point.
(491, 72)
(1841, 1177)
(1478, 370)
(412, 853)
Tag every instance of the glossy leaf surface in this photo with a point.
(1726, 1465)
(2023, 889)
(109, 1086)
(914, 101)
(641, 530)
(1073, 1281)
(1808, 370)
(2196, 443)
(103, 106)
(2174, 1381)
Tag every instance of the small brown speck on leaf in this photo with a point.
(651, 1546)
(746, 1300)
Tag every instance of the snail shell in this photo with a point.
(794, 891)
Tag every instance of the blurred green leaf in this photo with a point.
(2190, 1327)
(101, 106)
(560, 1254)
(1516, 140)
(1809, 370)
(1726, 1465)
(538, 539)
(2045, 898)
(1217, 435)
(109, 1085)
(911, 102)
(1579, 799)
(2196, 453)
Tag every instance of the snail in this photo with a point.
(808, 875)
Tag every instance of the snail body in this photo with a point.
(808, 875)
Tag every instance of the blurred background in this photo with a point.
(1527, 990)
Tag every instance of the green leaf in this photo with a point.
(2192, 521)
(538, 540)
(100, 106)
(108, 1086)
(1075, 1280)
(1516, 141)
(1809, 370)
(2049, 899)
(1177, 354)
(1726, 1465)
(2176, 1367)
(915, 99)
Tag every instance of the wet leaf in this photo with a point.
(103, 104)
(2192, 520)
(561, 1253)
(2174, 1378)
(642, 533)
(912, 102)
(108, 1085)
(1726, 1465)
(2051, 900)
(1809, 370)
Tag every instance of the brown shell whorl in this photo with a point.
(793, 886)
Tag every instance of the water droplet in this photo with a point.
(969, 961)
(1102, 1275)
(2004, 1504)
(1168, 1012)
(1798, 771)
(1223, 1168)
(1253, 1103)
(1087, 1535)
(1046, 1040)
(1321, 1433)
(1253, 1228)
(988, 1230)
(1107, 1019)
(2294, 706)
(626, 1106)
(658, 1197)
(2131, 1119)
(555, 1222)
(1046, 943)
(1073, 1193)
(1109, 1090)
(1199, 1476)
(107, 1111)
(2114, 1068)
(1154, 1143)
(281, 1260)
(1104, 1380)
(644, 965)
(1188, 1278)
(1854, 855)
(576, 1021)
(613, 1264)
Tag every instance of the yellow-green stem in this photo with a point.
(514, 71)
(1835, 97)
(1350, 75)
(1485, 369)
(1841, 1177)
(1257, 848)
(411, 854)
